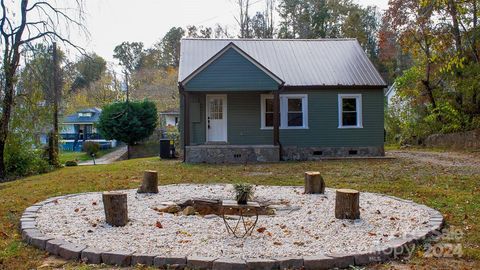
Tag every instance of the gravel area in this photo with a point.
(304, 224)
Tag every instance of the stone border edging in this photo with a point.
(71, 251)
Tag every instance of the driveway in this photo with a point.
(108, 158)
(445, 159)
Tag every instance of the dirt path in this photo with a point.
(445, 159)
(108, 158)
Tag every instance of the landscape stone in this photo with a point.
(189, 210)
(28, 225)
(118, 258)
(318, 262)
(39, 241)
(200, 263)
(341, 260)
(71, 251)
(174, 261)
(229, 264)
(290, 263)
(261, 264)
(53, 246)
(91, 256)
(143, 259)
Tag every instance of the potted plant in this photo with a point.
(243, 192)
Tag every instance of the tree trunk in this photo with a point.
(5, 120)
(314, 183)
(53, 149)
(347, 204)
(150, 182)
(455, 27)
(115, 205)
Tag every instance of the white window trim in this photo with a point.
(284, 110)
(358, 98)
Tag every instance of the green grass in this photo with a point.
(81, 156)
(454, 191)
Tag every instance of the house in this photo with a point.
(79, 127)
(390, 94)
(251, 100)
(170, 117)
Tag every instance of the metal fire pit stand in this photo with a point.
(249, 210)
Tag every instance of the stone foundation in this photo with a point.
(317, 153)
(218, 154)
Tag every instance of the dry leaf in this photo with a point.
(277, 243)
(261, 229)
(158, 225)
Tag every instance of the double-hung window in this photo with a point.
(350, 111)
(293, 111)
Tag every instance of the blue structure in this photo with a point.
(79, 127)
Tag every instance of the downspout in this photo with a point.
(181, 90)
(281, 88)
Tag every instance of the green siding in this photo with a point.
(244, 121)
(231, 72)
(323, 121)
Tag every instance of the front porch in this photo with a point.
(224, 153)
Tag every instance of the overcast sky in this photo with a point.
(110, 22)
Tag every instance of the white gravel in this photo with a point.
(308, 228)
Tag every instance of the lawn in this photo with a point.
(81, 156)
(455, 191)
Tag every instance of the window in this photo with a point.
(84, 114)
(268, 112)
(293, 111)
(350, 111)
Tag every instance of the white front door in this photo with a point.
(216, 118)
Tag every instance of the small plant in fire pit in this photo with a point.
(243, 192)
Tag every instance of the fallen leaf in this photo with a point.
(4, 235)
(261, 229)
(158, 225)
(76, 210)
(277, 243)
(372, 234)
(94, 203)
(299, 243)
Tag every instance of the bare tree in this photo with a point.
(23, 23)
(244, 19)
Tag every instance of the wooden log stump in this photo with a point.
(115, 205)
(347, 204)
(314, 183)
(150, 182)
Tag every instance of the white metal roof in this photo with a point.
(298, 62)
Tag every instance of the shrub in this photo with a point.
(91, 148)
(22, 160)
(71, 163)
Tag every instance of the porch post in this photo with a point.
(276, 118)
(186, 117)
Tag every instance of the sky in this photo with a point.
(110, 22)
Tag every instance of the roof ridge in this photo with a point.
(270, 39)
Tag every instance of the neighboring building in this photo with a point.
(170, 118)
(390, 94)
(79, 127)
(246, 100)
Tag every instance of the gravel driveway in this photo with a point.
(445, 159)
